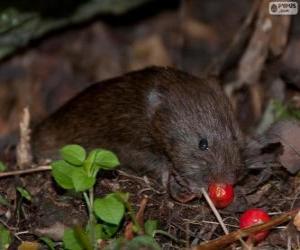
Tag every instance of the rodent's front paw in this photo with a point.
(180, 192)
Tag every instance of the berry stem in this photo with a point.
(215, 211)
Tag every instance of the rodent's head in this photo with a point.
(193, 123)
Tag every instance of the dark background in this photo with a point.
(44, 67)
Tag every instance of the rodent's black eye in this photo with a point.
(203, 144)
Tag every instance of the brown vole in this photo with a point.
(161, 122)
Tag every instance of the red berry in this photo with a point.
(253, 217)
(221, 194)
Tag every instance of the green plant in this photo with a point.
(3, 201)
(24, 193)
(78, 170)
(48, 242)
(2, 166)
(5, 238)
(285, 111)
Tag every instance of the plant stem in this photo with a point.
(131, 215)
(89, 199)
(91, 195)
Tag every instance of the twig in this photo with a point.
(25, 171)
(20, 233)
(137, 220)
(215, 211)
(216, 223)
(24, 155)
(140, 213)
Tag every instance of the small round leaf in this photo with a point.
(106, 159)
(81, 180)
(71, 242)
(62, 173)
(73, 154)
(109, 209)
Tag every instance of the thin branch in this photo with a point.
(25, 171)
(215, 211)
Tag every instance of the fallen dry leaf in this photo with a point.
(296, 221)
(28, 245)
(288, 134)
(279, 143)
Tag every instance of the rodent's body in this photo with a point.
(153, 120)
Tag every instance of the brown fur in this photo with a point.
(153, 119)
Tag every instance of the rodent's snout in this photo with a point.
(188, 180)
(200, 176)
(196, 177)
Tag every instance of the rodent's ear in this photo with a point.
(154, 99)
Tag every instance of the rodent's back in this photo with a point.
(109, 112)
(102, 111)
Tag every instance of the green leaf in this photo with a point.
(48, 242)
(100, 159)
(62, 173)
(24, 193)
(102, 231)
(3, 201)
(70, 241)
(141, 242)
(98, 231)
(4, 238)
(2, 166)
(83, 238)
(89, 164)
(150, 227)
(109, 230)
(94, 231)
(106, 159)
(73, 154)
(285, 111)
(123, 197)
(81, 180)
(109, 209)
(103, 159)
